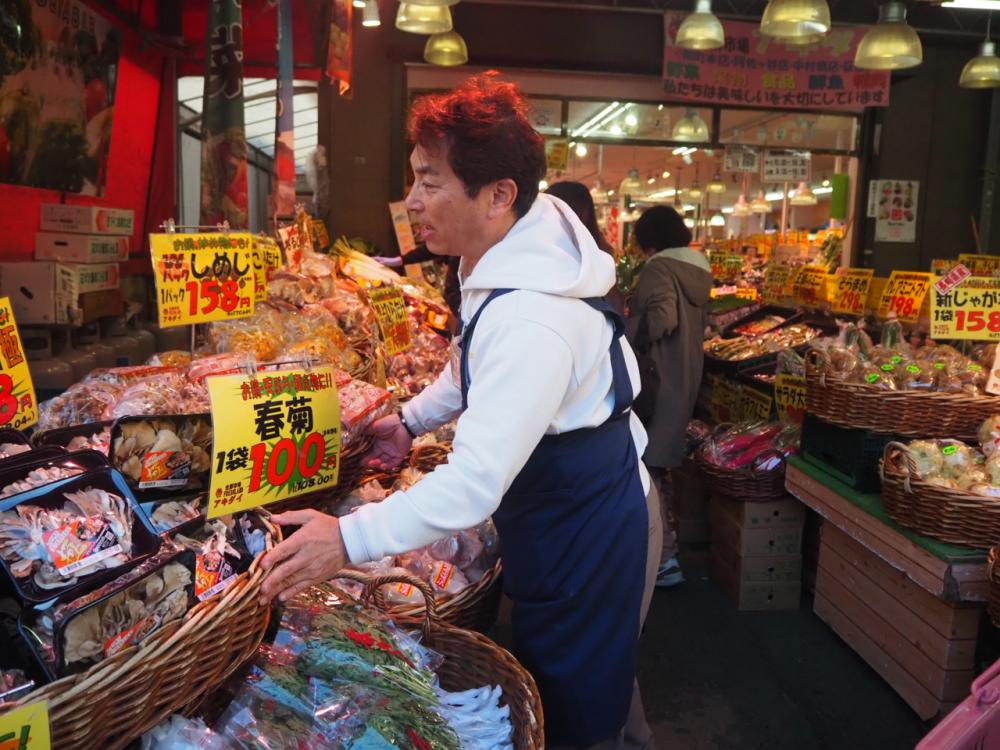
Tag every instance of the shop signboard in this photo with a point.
(402, 227)
(809, 289)
(895, 206)
(981, 265)
(786, 165)
(18, 405)
(742, 159)
(277, 435)
(753, 70)
(790, 397)
(26, 728)
(904, 295)
(850, 293)
(266, 261)
(202, 278)
(970, 310)
(393, 319)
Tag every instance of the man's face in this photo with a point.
(451, 223)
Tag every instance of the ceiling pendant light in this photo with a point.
(370, 18)
(718, 220)
(631, 185)
(599, 194)
(690, 128)
(795, 19)
(716, 185)
(447, 49)
(433, 2)
(983, 71)
(423, 19)
(803, 196)
(760, 204)
(359, 4)
(891, 44)
(695, 191)
(741, 207)
(701, 29)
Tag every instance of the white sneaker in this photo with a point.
(669, 574)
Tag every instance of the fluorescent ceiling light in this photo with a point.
(972, 4)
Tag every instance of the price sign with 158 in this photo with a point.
(970, 310)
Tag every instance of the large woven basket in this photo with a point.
(743, 484)
(114, 702)
(942, 513)
(351, 474)
(905, 413)
(368, 352)
(475, 607)
(993, 603)
(473, 660)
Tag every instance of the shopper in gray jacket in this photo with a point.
(666, 324)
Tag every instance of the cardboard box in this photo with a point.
(756, 595)
(80, 248)
(747, 542)
(788, 512)
(771, 568)
(45, 292)
(96, 305)
(58, 217)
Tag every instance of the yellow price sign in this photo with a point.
(940, 267)
(904, 295)
(790, 397)
(809, 287)
(266, 260)
(776, 280)
(557, 155)
(202, 277)
(275, 435)
(321, 236)
(724, 405)
(980, 265)
(393, 319)
(850, 293)
(26, 728)
(18, 405)
(755, 405)
(970, 310)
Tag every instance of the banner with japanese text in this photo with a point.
(276, 435)
(758, 71)
(18, 404)
(969, 310)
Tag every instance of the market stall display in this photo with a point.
(730, 354)
(746, 461)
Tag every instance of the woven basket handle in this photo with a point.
(373, 583)
(908, 465)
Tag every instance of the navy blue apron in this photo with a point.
(573, 530)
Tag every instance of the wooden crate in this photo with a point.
(922, 645)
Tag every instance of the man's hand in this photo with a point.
(313, 554)
(392, 443)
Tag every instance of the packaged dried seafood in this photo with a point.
(260, 335)
(741, 348)
(360, 404)
(86, 401)
(171, 452)
(52, 539)
(411, 371)
(173, 358)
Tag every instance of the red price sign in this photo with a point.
(206, 296)
(970, 310)
(277, 464)
(904, 295)
(18, 404)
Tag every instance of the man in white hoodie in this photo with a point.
(546, 443)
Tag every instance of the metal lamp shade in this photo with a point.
(760, 204)
(423, 19)
(690, 128)
(446, 49)
(891, 44)
(701, 29)
(795, 19)
(631, 185)
(803, 196)
(982, 72)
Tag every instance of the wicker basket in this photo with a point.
(905, 413)
(351, 474)
(114, 702)
(952, 516)
(745, 485)
(471, 661)
(475, 607)
(993, 603)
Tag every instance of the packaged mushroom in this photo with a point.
(13, 443)
(220, 555)
(47, 466)
(94, 436)
(163, 452)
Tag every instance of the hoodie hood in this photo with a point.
(548, 250)
(692, 271)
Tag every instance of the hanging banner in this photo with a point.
(266, 261)
(203, 277)
(283, 189)
(393, 319)
(970, 310)
(277, 435)
(26, 728)
(753, 70)
(981, 265)
(904, 295)
(786, 165)
(895, 210)
(224, 144)
(340, 55)
(18, 406)
(850, 294)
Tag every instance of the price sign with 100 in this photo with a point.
(276, 435)
(18, 404)
(904, 295)
(851, 291)
(970, 310)
(202, 277)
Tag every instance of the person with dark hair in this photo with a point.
(541, 383)
(666, 326)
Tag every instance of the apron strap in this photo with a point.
(620, 378)
(464, 336)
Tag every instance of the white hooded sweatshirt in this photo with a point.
(539, 365)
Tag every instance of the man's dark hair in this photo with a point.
(661, 227)
(484, 126)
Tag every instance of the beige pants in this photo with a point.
(637, 735)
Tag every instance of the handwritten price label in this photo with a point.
(393, 319)
(26, 728)
(266, 260)
(201, 278)
(776, 280)
(981, 265)
(809, 289)
(850, 293)
(904, 295)
(276, 435)
(724, 405)
(970, 310)
(18, 405)
(755, 405)
(790, 397)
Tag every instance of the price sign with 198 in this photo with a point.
(904, 295)
(203, 277)
(970, 310)
(276, 435)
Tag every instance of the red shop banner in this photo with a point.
(758, 71)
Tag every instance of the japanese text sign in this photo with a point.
(790, 397)
(753, 70)
(895, 209)
(321, 235)
(850, 294)
(755, 405)
(26, 728)
(557, 155)
(266, 260)
(742, 159)
(786, 166)
(904, 295)
(393, 320)
(810, 287)
(776, 280)
(952, 278)
(724, 404)
(402, 227)
(295, 242)
(981, 265)
(202, 277)
(18, 407)
(971, 310)
(275, 435)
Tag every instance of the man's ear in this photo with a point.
(502, 197)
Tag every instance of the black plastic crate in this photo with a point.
(851, 455)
